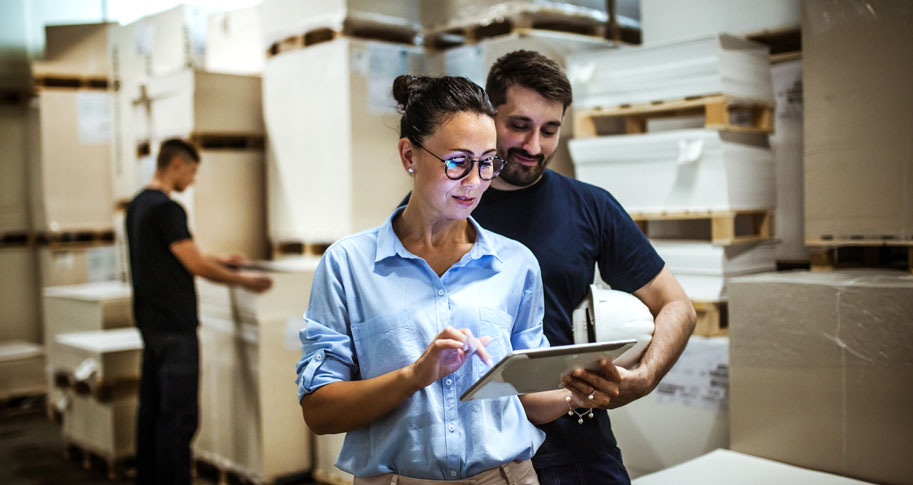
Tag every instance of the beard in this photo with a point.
(521, 175)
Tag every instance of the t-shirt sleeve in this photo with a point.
(172, 221)
(627, 260)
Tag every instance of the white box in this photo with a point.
(71, 176)
(333, 167)
(100, 357)
(703, 269)
(75, 50)
(104, 428)
(724, 467)
(91, 306)
(234, 42)
(685, 417)
(720, 64)
(661, 20)
(19, 295)
(286, 18)
(21, 369)
(682, 170)
(473, 61)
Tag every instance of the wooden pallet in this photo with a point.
(227, 141)
(16, 239)
(16, 97)
(712, 318)
(355, 28)
(784, 44)
(75, 238)
(555, 20)
(115, 467)
(828, 255)
(70, 81)
(223, 475)
(726, 227)
(294, 248)
(23, 401)
(721, 112)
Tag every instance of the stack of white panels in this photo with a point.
(287, 18)
(90, 306)
(682, 170)
(703, 269)
(333, 168)
(714, 65)
(441, 14)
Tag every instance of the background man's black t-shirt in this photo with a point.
(164, 297)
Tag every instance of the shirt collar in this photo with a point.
(388, 243)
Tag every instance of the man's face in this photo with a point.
(186, 173)
(528, 126)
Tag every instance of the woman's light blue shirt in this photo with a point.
(374, 309)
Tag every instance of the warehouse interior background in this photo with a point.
(764, 147)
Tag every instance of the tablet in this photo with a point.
(535, 370)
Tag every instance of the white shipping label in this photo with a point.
(293, 327)
(700, 378)
(384, 65)
(468, 62)
(144, 39)
(101, 264)
(93, 115)
(787, 83)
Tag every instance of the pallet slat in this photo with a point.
(724, 224)
(356, 28)
(712, 318)
(474, 31)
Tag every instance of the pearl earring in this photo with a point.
(411, 170)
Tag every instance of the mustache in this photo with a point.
(523, 153)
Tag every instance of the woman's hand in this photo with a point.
(449, 350)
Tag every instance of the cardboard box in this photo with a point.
(661, 20)
(107, 429)
(201, 102)
(248, 424)
(14, 168)
(720, 64)
(858, 110)
(99, 357)
(286, 18)
(234, 42)
(474, 61)
(820, 371)
(685, 417)
(71, 176)
(680, 170)
(19, 295)
(724, 467)
(79, 50)
(334, 171)
(21, 369)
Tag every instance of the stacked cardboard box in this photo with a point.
(820, 371)
(248, 348)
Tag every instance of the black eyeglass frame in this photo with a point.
(473, 162)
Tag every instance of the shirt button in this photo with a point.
(440, 292)
(452, 473)
(448, 382)
(317, 357)
(451, 428)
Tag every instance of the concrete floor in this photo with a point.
(32, 451)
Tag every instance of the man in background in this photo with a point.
(571, 227)
(164, 260)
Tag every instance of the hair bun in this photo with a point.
(406, 87)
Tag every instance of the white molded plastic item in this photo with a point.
(615, 315)
(720, 64)
(680, 170)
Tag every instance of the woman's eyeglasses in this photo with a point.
(459, 166)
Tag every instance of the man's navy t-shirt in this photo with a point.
(164, 297)
(570, 225)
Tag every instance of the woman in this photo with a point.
(397, 313)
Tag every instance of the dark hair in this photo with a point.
(531, 70)
(174, 147)
(426, 102)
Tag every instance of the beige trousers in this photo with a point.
(513, 473)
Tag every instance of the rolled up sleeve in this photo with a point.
(527, 331)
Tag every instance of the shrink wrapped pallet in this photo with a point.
(681, 170)
(786, 145)
(661, 20)
(720, 64)
(286, 18)
(333, 167)
(21, 369)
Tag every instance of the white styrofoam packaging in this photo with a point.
(332, 162)
(724, 467)
(473, 61)
(721, 64)
(14, 125)
(680, 170)
(704, 269)
(234, 42)
(286, 18)
(661, 20)
(685, 417)
(787, 145)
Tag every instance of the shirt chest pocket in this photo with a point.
(497, 325)
(386, 343)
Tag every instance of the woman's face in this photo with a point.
(463, 134)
